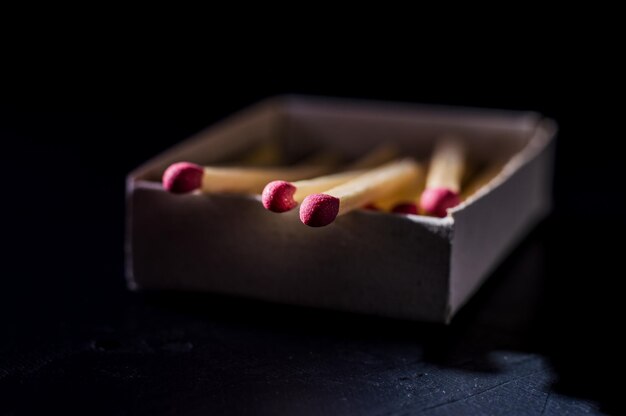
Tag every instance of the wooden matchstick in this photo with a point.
(401, 202)
(185, 177)
(283, 196)
(443, 182)
(405, 200)
(318, 210)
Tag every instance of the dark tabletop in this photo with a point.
(539, 337)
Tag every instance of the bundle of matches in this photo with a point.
(185, 177)
(373, 181)
(318, 210)
(282, 196)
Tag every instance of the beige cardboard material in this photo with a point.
(412, 267)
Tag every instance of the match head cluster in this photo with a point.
(395, 186)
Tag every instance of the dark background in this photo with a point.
(540, 337)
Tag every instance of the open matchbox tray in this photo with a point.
(402, 266)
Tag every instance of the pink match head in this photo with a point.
(405, 208)
(318, 210)
(182, 177)
(278, 196)
(436, 201)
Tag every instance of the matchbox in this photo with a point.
(401, 266)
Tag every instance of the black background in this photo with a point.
(74, 121)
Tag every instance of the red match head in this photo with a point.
(318, 210)
(436, 201)
(182, 177)
(278, 196)
(405, 208)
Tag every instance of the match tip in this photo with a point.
(277, 196)
(405, 208)
(436, 201)
(182, 177)
(318, 210)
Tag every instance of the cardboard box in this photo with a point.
(413, 267)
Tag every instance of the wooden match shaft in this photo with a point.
(253, 180)
(375, 184)
(443, 182)
(321, 209)
(184, 177)
(281, 196)
(446, 165)
(407, 195)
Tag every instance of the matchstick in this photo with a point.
(185, 177)
(283, 196)
(318, 210)
(405, 200)
(401, 202)
(443, 182)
